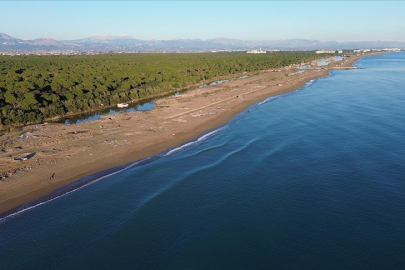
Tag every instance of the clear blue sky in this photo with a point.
(248, 20)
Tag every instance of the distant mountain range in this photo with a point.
(128, 43)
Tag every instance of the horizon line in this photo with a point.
(197, 38)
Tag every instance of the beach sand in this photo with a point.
(66, 153)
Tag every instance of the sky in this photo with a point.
(246, 20)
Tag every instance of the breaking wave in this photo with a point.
(200, 139)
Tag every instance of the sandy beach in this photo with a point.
(61, 154)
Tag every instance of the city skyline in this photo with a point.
(165, 20)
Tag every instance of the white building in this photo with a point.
(329, 51)
(256, 51)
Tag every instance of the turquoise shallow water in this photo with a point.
(314, 179)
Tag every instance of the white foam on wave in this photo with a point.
(309, 83)
(202, 138)
(193, 171)
(268, 100)
(244, 115)
(4, 219)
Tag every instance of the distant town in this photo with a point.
(94, 45)
(260, 51)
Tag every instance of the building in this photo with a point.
(256, 51)
(329, 51)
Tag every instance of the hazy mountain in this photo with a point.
(128, 43)
(11, 43)
(5, 37)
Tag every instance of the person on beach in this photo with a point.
(52, 176)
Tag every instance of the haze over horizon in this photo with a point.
(245, 20)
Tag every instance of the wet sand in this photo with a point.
(61, 154)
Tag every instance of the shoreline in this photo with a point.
(88, 149)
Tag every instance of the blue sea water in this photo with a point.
(313, 179)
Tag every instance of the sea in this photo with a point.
(311, 179)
